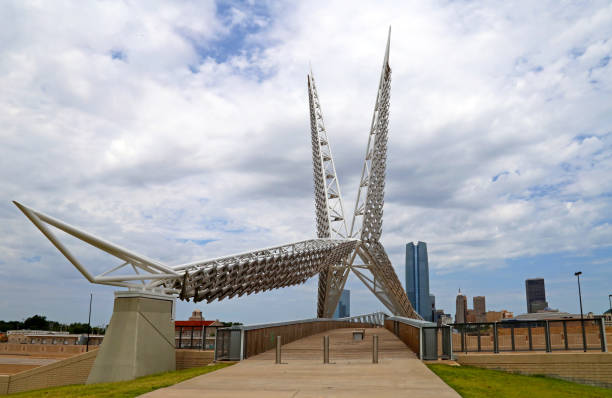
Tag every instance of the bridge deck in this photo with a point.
(352, 374)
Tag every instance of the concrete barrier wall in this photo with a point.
(263, 339)
(46, 349)
(586, 368)
(186, 359)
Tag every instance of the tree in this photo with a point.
(228, 324)
(10, 325)
(77, 328)
(36, 322)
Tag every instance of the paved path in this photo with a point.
(398, 374)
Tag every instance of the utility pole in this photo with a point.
(577, 274)
(89, 322)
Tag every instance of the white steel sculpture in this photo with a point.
(332, 255)
(218, 278)
(375, 271)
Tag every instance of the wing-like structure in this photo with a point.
(215, 279)
(259, 270)
(329, 208)
(367, 216)
(376, 270)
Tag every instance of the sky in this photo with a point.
(180, 130)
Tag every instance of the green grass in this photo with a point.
(123, 389)
(471, 382)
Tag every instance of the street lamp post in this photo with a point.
(89, 322)
(610, 298)
(584, 344)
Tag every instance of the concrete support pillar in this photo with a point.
(139, 340)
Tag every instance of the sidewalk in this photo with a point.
(302, 374)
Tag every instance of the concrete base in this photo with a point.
(139, 340)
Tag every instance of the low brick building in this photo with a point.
(49, 337)
(196, 332)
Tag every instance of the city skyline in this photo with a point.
(190, 141)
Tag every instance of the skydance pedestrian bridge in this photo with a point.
(343, 244)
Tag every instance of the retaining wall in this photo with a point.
(73, 370)
(586, 368)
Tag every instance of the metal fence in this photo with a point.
(548, 336)
(195, 337)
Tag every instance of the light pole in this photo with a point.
(610, 298)
(584, 345)
(89, 322)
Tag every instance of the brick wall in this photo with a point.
(587, 368)
(186, 359)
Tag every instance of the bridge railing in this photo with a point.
(236, 343)
(428, 340)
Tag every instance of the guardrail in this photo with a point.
(236, 343)
(426, 339)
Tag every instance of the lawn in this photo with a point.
(471, 382)
(123, 389)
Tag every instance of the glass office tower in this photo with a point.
(536, 295)
(343, 310)
(417, 280)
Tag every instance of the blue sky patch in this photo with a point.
(243, 22)
(576, 52)
(496, 177)
(199, 242)
(118, 54)
(34, 259)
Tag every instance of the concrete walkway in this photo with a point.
(398, 374)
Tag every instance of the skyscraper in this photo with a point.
(343, 310)
(536, 294)
(461, 308)
(417, 280)
(480, 309)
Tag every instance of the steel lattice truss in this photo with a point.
(214, 279)
(332, 255)
(376, 270)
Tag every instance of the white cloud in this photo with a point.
(143, 151)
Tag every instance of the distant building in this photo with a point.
(461, 308)
(535, 294)
(196, 333)
(497, 316)
(445, 319)
(49, 337)
(417, 280)
(480, 308)
(551, 316)
(343, 310)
